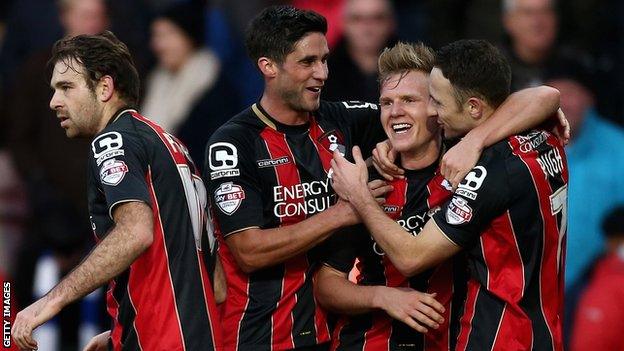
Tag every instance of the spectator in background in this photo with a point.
(52, 167)
(369, 26)
(600, 316)
(595, 157)
(186, 93)
(532, 29)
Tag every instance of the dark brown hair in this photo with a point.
(100, 55)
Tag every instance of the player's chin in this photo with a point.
(71, 133)
(312, 105)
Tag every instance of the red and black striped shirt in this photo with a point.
(263, 174)
(164, 300)
(411, 203)
(510, 213)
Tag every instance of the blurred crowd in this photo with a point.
(195, 75)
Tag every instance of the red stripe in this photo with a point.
(294, 268)
(441, 283)
(157, 328)
(172, 144)
(335, 340)
(438, 194)
(469, 312)
(325, 155)
(112, 306)
(565, 175)
(550, 291)
(320, 323)
(378, 336)
(506, 280)
(234, 307)
(320, 317)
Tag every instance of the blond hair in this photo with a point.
(403, 58)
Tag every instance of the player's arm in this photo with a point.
(220, 284)
(335, 292)
(131, 235)
(257, 248)
(522, 110)
(410, 254)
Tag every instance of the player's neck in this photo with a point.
(281, 112)
(108, 112)
(421, 157)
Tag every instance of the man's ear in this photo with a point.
(105, 88)
(268, 67)
(475, 107)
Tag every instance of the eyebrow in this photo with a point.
(312, 58)
(60, 83)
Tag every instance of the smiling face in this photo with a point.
(408, 123)
(452, 117)
(300, 78)
(73, 101)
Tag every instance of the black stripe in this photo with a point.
(265, 286)
(530, 237)
(182, 253)
(352, 334)
(460, 290)
(310, 169)
(488, 312)
(304, 329)
(126, 316)
(265, 290)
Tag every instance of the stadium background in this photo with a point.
(44, 228)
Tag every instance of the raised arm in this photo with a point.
(522, 110)
(127, 240)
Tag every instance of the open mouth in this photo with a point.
(400, 128)
(314, 89)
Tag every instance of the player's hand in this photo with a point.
(349, 178)
(378, 188)
(98, 342)
(562, 130)
(459, 160)
(30, 318)
(419, 310)
(383, 161)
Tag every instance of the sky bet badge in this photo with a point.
(228, 197)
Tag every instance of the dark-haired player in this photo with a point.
(146, 202)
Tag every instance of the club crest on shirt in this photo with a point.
(228, 197)
(333, 140)
(113, 172)
(458, 211)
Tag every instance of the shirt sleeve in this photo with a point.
(233, 188)
(480, 197)
(365, 125)
(119, 162)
